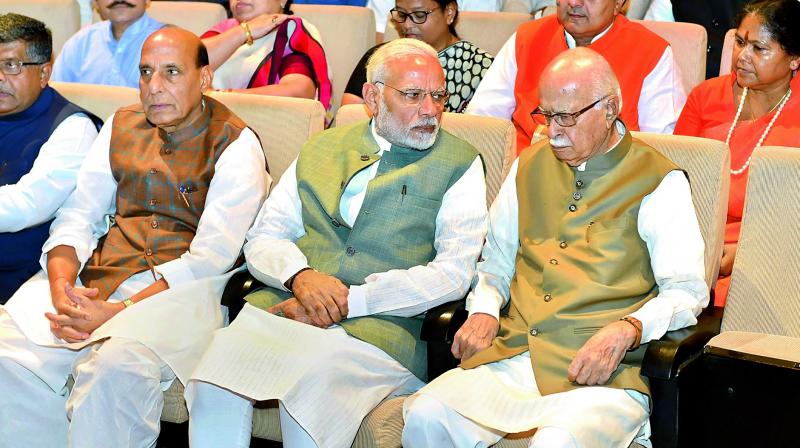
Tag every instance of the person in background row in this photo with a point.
(108, 52)
(649, 76)
(433, 22)
(758, 104)
(133, 268)
(265, 50)
(43, 140)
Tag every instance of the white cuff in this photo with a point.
(482, 306)
(357, 301)
(290, 270)
(175, 272)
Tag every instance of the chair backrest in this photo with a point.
(488, 30)
(708, 163)
(346, 33)
(282, 124)
(495, 138)
(689, 45)
(197, 17)
(100, 100)
(727, 52)
(63, 17)
(764, 295)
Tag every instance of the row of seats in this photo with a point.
(346, 31)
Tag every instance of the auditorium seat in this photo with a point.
(61, 16)
(725, 62)
(689, 45)
(197, 17)
(100, 100)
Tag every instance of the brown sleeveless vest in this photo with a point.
(162, 181)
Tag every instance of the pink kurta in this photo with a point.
(709, 112)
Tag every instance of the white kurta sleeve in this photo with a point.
(38, 194)
(660, 10)
(460, 230)
(491, 291)
(234, 197)
(495, 94)
(271, 253)
(663, 96)
(85, 216)
(668, 224)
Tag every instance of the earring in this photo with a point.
(203, 104)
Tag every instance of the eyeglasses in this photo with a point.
(564, 119)
(418, 17)
(14, 67)
(413, 97)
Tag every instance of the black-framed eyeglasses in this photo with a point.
(413, 97)
(14, 66)
(564, 119)
(418, 17)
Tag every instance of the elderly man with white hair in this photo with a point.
(372, 225)
(593, 250)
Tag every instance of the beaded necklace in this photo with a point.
(780, 105)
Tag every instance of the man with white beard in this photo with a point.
(371, 226)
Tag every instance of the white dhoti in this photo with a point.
(120, 371)
(477, 407)
(263, 357)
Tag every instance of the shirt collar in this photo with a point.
(571, 40)
(621, 130)
(192, 130)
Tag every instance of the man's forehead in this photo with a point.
(13, 48)
(415, 70)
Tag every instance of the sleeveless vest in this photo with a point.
(395, 227)
(162, 182)
(581, 263)
(23, 135)
(540, 41)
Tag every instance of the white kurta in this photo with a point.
(495, 395)
(660, 102)
(175, 324)
(262, 357)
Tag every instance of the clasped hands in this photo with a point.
(594, 363)
(319, 300)
(78, 312)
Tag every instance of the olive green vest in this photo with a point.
(581, 263)
(395, 227)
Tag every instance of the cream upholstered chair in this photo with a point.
(197, 17)
(495, 139)
(487, 30)
(98, 99)
(751, 370)
(725, 61)
(346, 32)
(689, 45)
(61, 16)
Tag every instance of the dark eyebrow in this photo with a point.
(143, 66)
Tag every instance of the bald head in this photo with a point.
(173, 74)
(580, 86)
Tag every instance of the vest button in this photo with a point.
(577, 196)
(335, 223)
(364, 157)
(579, 183)
(167, 151)
(562, 244)
(350, 251)
(154, 224)
(572, 207)
(148, 252)
(153, 171)
(553, 261)
(548, 297)
(534, 332)
(153, 202)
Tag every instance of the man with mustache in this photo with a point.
(108, 52)
(372, 225)
(44, 140)
(651, 83)
(135, 263)
(593, 250)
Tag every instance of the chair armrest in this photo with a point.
(442, 322)
(665, 357)
(239, 285)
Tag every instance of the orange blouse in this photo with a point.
(709, 112)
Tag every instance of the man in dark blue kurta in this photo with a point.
(43, 139)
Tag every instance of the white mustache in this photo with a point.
(559, 142)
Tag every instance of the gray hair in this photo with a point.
(376, 67)
(37, 37)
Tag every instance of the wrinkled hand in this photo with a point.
(265, 23)
(728, 255)
(291, 309)
(324, 297)
(475, 335)
(85, 316)
(601, 354)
